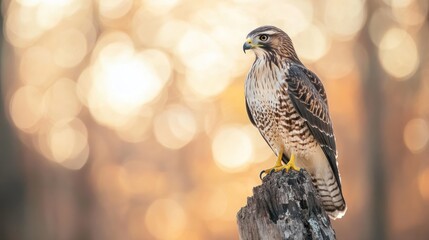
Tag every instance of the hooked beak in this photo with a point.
(248, 45)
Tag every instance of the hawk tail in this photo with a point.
(330, 195)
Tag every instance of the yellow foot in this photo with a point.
(280, 166)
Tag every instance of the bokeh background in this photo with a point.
(125, 119)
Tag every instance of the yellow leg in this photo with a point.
(279, 162)
(279, 165)
(291, 164)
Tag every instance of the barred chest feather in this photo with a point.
(273, 112)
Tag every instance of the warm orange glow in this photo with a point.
(130, 118)
(260, 151)
(68, 144)
(26, 108)
(416, 135)
(166, 219)
(424, 183)
(232, 148)
(175, 127)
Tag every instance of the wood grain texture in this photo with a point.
(285, 206)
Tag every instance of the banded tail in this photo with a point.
(330, 194)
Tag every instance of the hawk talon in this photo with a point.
(267, 172)
(260, 174)
(280, 166)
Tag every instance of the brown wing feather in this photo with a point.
(309, 99)
(316, 83)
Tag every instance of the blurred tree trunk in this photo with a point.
(285, 206)
(12, 187)
(373, 99)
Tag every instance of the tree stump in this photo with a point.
(285, 206)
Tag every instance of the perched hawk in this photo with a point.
(288, 104)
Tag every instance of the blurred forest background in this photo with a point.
(125, 119)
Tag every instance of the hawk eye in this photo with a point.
(263, 37)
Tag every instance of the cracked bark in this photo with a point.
(285, 206)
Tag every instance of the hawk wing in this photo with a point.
(316, 83)
(309, 99)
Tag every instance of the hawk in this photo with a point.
(288, 104)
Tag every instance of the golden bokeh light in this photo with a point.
(398, 53)
(212, 19)
(232, 148)
(26, 108)
(49, 15)
(203, 58)
(65, 142)
(166, 219)
(167, 34)
(381, 19)
(337, 63)
(344, 19)
(423, 181)
(20, 28)
(146, 26)
(37, 66)
(29, 3)
(70, 48)
(312, 43)
(60, 100)
(137, 128)
(113, 9)
(416, 135)
(160, 7)
(300, 15)
(409, 12)
(175, 127)
(398, 3)
(159, 62)
(123, 81)
(54, 3)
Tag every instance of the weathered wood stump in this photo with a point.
(285, 206)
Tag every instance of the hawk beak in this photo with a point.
(247, 45)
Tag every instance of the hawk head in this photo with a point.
(269, 41)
